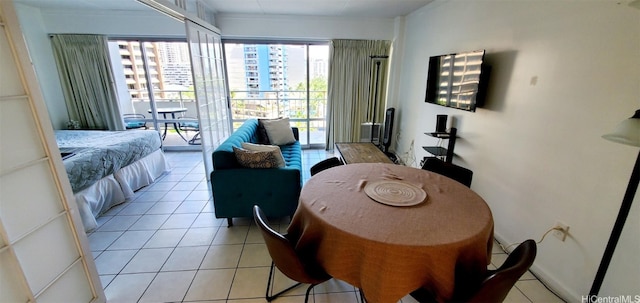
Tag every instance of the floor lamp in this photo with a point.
(628, 133)
(378, 61)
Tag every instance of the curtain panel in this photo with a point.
(87, 80)
(352, 83)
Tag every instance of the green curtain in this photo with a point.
(87, 80)
(352, 80)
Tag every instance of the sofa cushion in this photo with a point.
(279, 131)
(274, 149)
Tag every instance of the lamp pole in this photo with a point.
(617, 228)
(375, 95)
(628, 133)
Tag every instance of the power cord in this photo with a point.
(506, 248)
(544, 283)
(408, 156)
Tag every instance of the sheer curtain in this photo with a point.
(352, 77)
(87, 80)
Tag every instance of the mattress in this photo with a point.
(90, 156)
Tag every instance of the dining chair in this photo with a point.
(325, 164)
(286, 259)
(497, 283)
(455, 172)
(133, 121)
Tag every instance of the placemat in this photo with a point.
(395, 193)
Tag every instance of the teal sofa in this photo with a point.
(236, 189)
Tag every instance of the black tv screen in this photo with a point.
(457, 80)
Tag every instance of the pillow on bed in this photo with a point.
(279, 131)
(256, 159)
(266, 148)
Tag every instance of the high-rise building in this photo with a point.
(131, 56)
(174, 52)
(168, 63)
(265, 68)
(176, 66)
(318, 68)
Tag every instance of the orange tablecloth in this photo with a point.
(389, 251)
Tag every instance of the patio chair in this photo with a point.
(190, 124)
(133, 121)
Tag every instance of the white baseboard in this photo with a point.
(548, 280)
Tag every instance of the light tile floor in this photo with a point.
(166, 245)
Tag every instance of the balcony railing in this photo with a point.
(272, 104)
(307, 112)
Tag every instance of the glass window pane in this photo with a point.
(165, 68)
(279, 80)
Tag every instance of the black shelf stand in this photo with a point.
(439, 151)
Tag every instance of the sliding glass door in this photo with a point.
(210, 87)
(272, 79)
(156, 89)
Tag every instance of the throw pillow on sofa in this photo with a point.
(279, 131)
(261, 132)
(266, 148)
(256, 159)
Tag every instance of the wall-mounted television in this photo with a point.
(457, 80)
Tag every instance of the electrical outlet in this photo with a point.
(561, 231)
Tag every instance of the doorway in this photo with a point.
(155, 87)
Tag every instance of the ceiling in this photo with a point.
(328, 8)
(336, 8)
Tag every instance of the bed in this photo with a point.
(106, 167)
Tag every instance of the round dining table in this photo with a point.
(390, 229)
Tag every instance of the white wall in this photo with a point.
(33, 29)
(37, 24)
(564, 73)
(113, 23)
(304, 27)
